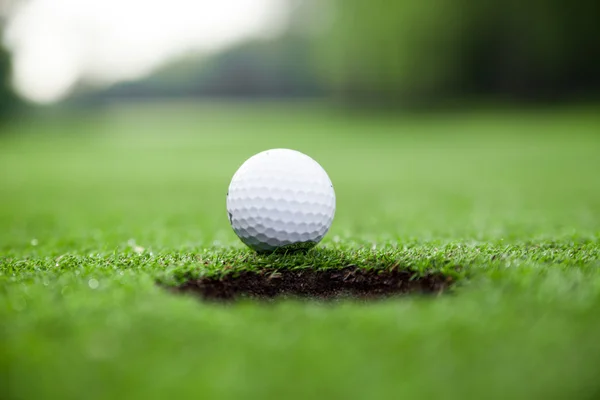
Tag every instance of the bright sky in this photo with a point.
(59, 43)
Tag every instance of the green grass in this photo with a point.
(96, 207)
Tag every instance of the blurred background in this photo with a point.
(379, 54)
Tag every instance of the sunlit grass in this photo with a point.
(96, 208)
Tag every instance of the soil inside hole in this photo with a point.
(349, 282)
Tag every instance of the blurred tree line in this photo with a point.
(8, 100)
(411, 51)
(387, 51)
(277, 68)
(403, 53)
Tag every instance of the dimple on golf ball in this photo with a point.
(280, 199)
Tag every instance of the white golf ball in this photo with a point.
(280, 198)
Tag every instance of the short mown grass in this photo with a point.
(101, 209)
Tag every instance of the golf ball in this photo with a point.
(280, 198)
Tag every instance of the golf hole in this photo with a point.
(349, 282)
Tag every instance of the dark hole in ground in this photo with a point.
(349, 282)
